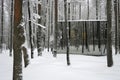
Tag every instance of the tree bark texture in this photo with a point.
(119, 23)
(18, 40)
(116, 24)
(99, 35)
(96, 9)
(12, 24)
(39, 34)
(109, 40)
(30, 30)
(56, 28)
(66, 32)
(2, 20)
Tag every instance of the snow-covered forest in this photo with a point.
(59, 39)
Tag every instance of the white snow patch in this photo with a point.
(6, 66)
(49, 68)
(36, 16)
(82, 68)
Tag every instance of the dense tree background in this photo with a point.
(68, 26)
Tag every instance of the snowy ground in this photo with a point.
(48, 68)
(6, 66)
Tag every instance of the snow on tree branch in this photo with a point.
(36, 16)
(37, 24)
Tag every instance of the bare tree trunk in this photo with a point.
(116, 24)
(66, 32)
(88, 9)
(69, 23)
(86, 36)
(109, 40)
(12, 23)
(83, 36)
(48, 23)
(99, 35)
(56, 29)
(79, 10)
(93, 30)
(119, 23)
(30, 30)
(39, 33)
(18, 40)
(96, 9)
(2, 20)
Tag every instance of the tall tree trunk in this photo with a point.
(79, 10)
(69, 23)
(99, 35)
(12, 23)
(109, 40)
(18, 40)
(87, 26)
(119, 23)
(86, 36)
(66, 32)
(116, 24)
(30, 30)
(93, 30)
(56, 28)
(96, 9)
(2, 20)
(63, 35)
(83, 36)
(39, 33)
(105, 37)
(48, 23)
(88, 9)
(23, 48)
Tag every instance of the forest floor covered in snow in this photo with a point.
(47, 67)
